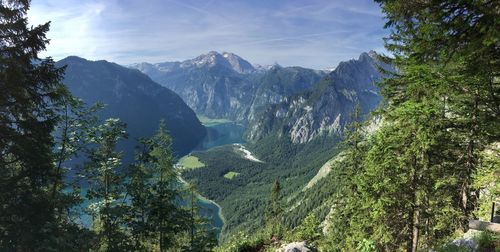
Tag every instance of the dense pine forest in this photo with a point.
(407, 176)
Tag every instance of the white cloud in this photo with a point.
(315, 35)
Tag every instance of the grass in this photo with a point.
(212, 121)
(231, 175)
(191, 162)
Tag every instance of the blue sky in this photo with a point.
(310, 33)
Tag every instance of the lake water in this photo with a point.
(218, 135)
(221, 134)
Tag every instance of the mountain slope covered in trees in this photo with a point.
(432, 163)
(135, 99)
(291, 161)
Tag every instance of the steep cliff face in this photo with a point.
(135, 99)
(213, 84)
(223, 85)
(277, 83)
(324, 108)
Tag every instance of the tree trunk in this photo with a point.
(469, 202)
(416, 231)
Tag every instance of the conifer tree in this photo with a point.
(155, 190)
(275, 210)
(201, 236)
(460, 39)
(30, 92)
(345, 200)
(415, 184)
(106, 190)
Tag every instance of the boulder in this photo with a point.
(295, 247)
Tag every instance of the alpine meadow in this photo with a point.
(377, 131)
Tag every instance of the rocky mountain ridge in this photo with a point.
(325, 107)
(223, 85)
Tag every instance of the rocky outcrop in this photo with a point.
(223, 85)
(277, 83)
(324, 108)
(296, 247)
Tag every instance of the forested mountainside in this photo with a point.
(223, 85)
(324, 108)
(135, 99)
(428, 172)
(291, 154)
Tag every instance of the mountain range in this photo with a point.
(295, 101)
(223, 85)
(326, 107)
(294, 117)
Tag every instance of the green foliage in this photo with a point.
(241, 242)
(274, 218)
(452, 248)
(366, 246)
(33, 208)
(487, 179)
(106, 190)
(487, 241)
(411, 184)
(309, 230)
(191, 162)
(231, 175)
(261, 240)
(156, 216)
(244, 199)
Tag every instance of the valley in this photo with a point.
(220, 132)
(284, 126)
(182, 146)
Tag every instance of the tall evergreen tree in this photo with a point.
(345, 200)
(157, 217)
(275, 210)
(201, 236)
(415, 184)
(105, 186)
(165, 205)
(462, 39)
(30, 93)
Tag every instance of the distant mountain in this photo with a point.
(134, 98)
(223, 85)
(213, 84)
(277, 83)
(325, 107)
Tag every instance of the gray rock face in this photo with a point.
(295, 247)
(223, 85)
(466, 243)
(278, 83)
(325, 108)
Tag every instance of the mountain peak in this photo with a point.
(74, 58)
(225, 59)
(371, 54)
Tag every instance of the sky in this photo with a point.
(310, 33)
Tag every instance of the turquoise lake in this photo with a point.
(218, 135)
